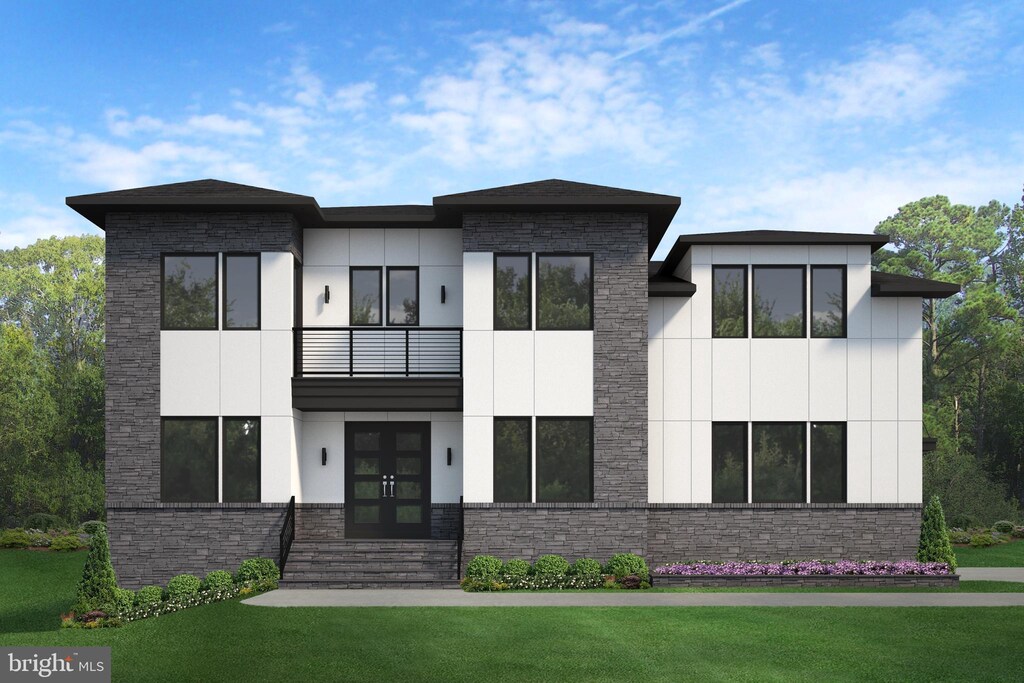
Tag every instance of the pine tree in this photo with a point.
(96, 590)
(934, 545)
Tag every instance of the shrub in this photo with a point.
(515, 573)
(45, 522)
(66, 543)
(551, 566)
(983, 540)
(40, 539)
(182, 587)
(477, 585)
(96, 589)
(961, 537)
(150, 596)
(15, 538)
(484, 568)
(934, 543)
(632, 581)
(1003, 526)
(217, 581)
(92, 526)
(1018, 532)
(585, 573)
(124, 599)
(257, 570)
(625, 564)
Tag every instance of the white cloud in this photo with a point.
(27, 219)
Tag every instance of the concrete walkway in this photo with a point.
(1015, 574)
(457, 598)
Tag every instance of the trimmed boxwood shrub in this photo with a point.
(149, 596)
(15, 538)
(44, 522)
(934, 545)
(1003, 526)
(124, 600)
(983, 540)
(182, 587)
(515, 571)
(551, 566)
(93, 525)
(66, 543)
(96, 589)
(257, 570)
(485, 568)
(585, 573)
(218, 580)
(626, 564)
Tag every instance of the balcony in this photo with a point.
(378, 369)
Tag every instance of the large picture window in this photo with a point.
(403, 296)
(241, 460)
(512, 292)
(365, 296)
(189, 292)
(241, 292)
(729, 301)
(779, 461)
(729, 462)
(565, 292)
(828, 301)
(779, 301)
(188, 460)
(565, 459)
(512, 448)
(828, 462)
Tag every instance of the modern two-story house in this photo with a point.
(378, 393)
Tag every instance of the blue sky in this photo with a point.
(759, 114)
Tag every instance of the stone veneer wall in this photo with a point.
(619, 244)
(151, 542)
(326, 521)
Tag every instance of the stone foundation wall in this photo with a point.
(326, 521)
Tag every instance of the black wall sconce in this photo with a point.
(449, 457)
(443, 297)
(323, 456)
(327, 294)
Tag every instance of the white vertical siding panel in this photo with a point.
(700, 303)
(239, 380)
(778, 380)
(277, 275)
(478, 291)
(678, 311)
(700, 469)
(910, 464)
(701, 383)
(190, 373)
(828, 254)
(324, 247)
(909, 317)
(676, 382)
(366, 247)
(655, 378)
(277, 444)
(858, 363)
(884, 379)
(910, 379)
(884, 462)
(828, 368)
(445, 480)
(323, 483)
(655, 317)
(655, 462)
(883, 318)
(858, 301)
(478, 459)
(402, 247)
(731, 380)
(564, 373)
(315, 309)
(513, 373)
(478, 373)
(276, 373)
(441, 247)
(676, 450)
(432, 312)
(858, 255)
(858, 462)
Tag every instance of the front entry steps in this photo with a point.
(371, 563)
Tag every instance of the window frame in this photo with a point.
(163, 286)
(843, 468)
(217, 460)
(351, 294)
(537, 256)
(536, 453)
(529, 460)
(804, 480)
(747, 480)
(803, 298)
(747, 321)
(259, 291)
(810, 303)
(259, 457)
(529, 290)
(386, 296)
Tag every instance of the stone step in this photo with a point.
(287, 584)
(366, 575)
(338, 563)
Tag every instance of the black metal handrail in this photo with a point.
(287, 535)
(380, 351)
(461, 536)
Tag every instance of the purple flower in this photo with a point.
(806, 568)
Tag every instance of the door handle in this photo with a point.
(384, 484)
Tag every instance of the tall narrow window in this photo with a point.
(565, 292)
(779, 301)
(188, 460)
(189, 292)
(512, 292)
(729, 462)
(828, 301)
(729, 301)
(241, 292)
(512, 460)
(241, 460)
(403, 296)
(565, 459)
(779, 462)
(365, 298)
(828, 462)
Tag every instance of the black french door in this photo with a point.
(387, 480)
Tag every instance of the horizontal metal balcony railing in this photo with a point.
(378, 351)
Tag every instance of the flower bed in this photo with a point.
(809, 573)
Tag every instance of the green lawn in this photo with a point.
(231, 641)
(1006, 555)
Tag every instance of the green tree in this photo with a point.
(934, 545)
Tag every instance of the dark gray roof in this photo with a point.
(890, 284)
(193, 189)
(659, 285)
(769, 237)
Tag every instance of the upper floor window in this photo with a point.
(565, 292)
(241, 291)
(403, 295)
(365, 296)
(779, 295)
(512, 292)
(189, 292)
(729, 301)
(828, 301)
